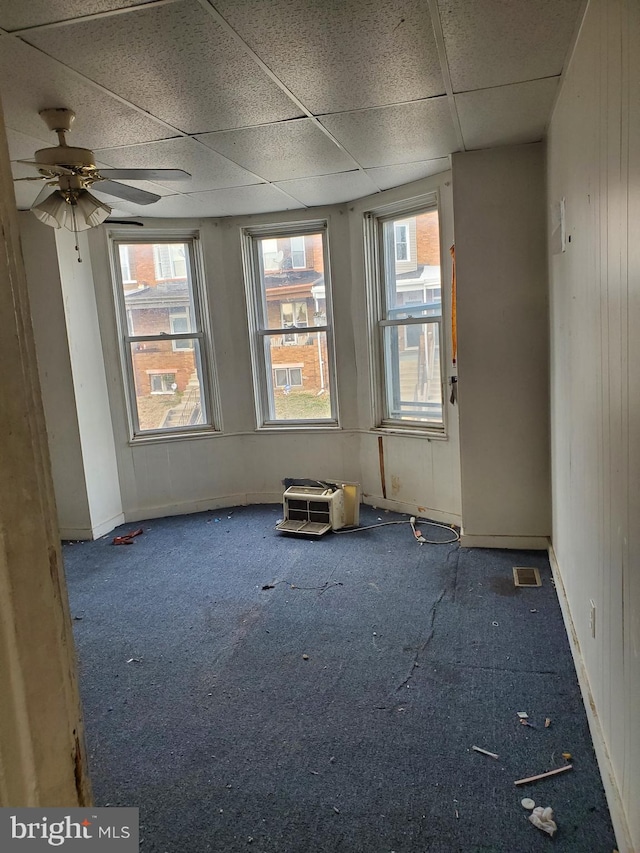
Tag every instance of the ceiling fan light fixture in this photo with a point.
(76, 210)
(90, 211)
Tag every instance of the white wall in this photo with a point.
(242, 464)
(72, 376)
(594, 163)
(89, 381)
(500, 228)
(56, 381)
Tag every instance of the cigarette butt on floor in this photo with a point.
(485, 752)
(543, 775)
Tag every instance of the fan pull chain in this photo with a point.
(75, 231)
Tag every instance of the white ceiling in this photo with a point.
(279, 104)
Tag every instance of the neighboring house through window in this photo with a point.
(406, 295)
(288, 290)
(165, 348)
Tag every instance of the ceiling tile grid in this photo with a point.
(507, 115)
(329, 189)
(237, 201)
(387, 177)
(175, 62)
(31, 81)
(336, 55)
(16, 15)
(282, 151)
(278, 104)
(493, 42)
(208, 169)
(405, 133)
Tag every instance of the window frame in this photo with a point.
(379, 320)
(260, 333)
(198, 314)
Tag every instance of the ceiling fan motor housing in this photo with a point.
(66, 155)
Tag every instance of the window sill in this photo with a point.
(431, 434)
(177, 435)
(299, 427)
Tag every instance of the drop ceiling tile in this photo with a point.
(329, 189)
(31, 81)
(493, 42)
(506, 115)
(174, 61)
(261, 198)
(26, 193)
(405, 133)
(341, 56)
(386, 177)
(22, 146)
(282, 151)
(208, 169)
(15, 15)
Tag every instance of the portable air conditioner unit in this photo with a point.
(314, 510)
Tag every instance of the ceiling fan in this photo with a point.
(72, 171)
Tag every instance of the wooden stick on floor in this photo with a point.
(543, 775)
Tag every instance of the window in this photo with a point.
(164, 346)
(287, 377)
(170, 260)
(290, 315)
(298, 256)
(293, 314)
(407, 306)
(163, 383)
(402, 241)
(180, 325)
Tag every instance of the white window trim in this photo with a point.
(208, 386)
(260, 333)
(377, 315)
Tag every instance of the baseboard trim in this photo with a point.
(224, 501)
(412, 509)
(75, 534)
(518, 543)
(612, 792)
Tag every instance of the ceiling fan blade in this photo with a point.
(39, 178)
(133, 194)
(145, 174)
(49, 167)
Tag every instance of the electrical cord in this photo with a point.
(417, 534)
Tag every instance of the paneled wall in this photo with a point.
(594, 165)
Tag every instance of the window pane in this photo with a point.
(412, 368)
(411, 257)
(162, 290)
(291, 280)
(298, 377)
(167, 384)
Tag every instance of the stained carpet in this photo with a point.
(336, 710)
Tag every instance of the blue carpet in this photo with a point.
(201, 710)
